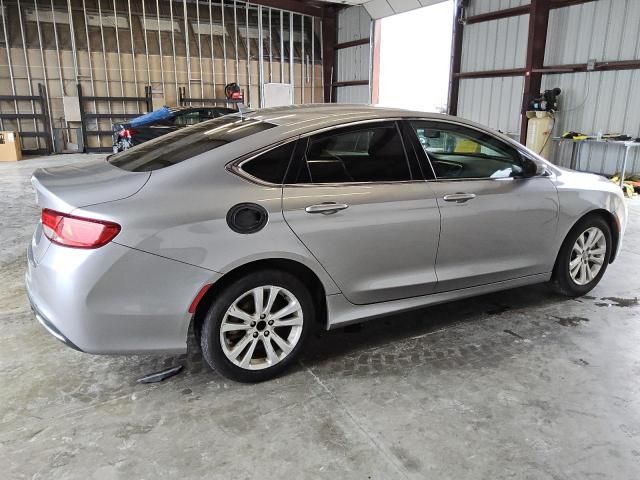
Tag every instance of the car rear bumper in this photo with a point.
(115, 299)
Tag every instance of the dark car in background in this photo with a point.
(160, 122)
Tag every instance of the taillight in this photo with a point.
(77, 232)
(127, 132)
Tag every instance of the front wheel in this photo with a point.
(257, 326)
(583, 258)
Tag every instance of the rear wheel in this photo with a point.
(257, 326)
(583, 258)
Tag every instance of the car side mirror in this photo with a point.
(530, 168)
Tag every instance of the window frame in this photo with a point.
(235, 166)
(300, 150)
(424, 158)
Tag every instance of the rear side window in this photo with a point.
(272, 165)
(357, 154)
(186, 143)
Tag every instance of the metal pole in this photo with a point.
(213, 55)
(44, 71)
(115, 19)
(73, 40)
(627, 149)
(199, 50)
(133, 54)
(224, 43)
(281, 46)
(160, 46)
(261, 56)
(235, 32)
(302, 60)
(270, 49)
(9, 62)
(146, 43)
(173, 49)
(322, 60)
(186, 45)
(28, 69)
(313, 60)
(86, 31)
(55, 35)
(248, 47)
(106, 68)
(291, 73)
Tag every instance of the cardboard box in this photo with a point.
(10, 150)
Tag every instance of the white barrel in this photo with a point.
(539, 131)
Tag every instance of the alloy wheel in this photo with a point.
(587, 256)
(261, 327)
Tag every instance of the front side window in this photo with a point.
(456, 151)
(186, 143)
(372, 153)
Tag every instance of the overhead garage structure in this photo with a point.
(124, 57)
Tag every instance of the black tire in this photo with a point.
(562, 282)
(210, 342)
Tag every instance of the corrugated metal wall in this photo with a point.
(592, 102)
(494, 102)
(478, 7)
(606, 30)
(353, 63)
(494, 45)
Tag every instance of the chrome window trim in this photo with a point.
(235, 166)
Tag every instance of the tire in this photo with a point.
(246, 332)
(574, 273)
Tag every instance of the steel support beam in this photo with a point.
(538, 26)
(456, 60)
(521, 10)
(329, 38)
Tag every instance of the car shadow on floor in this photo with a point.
(326, 346)
(386, 330)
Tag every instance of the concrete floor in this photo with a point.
(521, 384)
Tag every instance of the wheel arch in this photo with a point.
(298, 269)
(611, 220)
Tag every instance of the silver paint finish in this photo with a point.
(396, 246)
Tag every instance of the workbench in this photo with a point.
(575, 150)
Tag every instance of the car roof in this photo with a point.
(303, 119)
(338, 113)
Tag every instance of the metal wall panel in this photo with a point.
(495, 45)
(353, 94)
(353, 63)
(603, 30)
(494, 102)
(597, 102)
(485, 6)
(353, 24)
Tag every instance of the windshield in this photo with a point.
(186, 143)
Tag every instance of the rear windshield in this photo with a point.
(186, 143)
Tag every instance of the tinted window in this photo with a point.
(186, 143)
(460, 152)
(364, 154)
(272, 165)
(189, 118)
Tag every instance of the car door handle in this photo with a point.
(326, 208)
(459, 197)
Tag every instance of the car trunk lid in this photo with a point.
(74, 186)
(67, 188)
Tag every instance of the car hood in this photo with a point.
(73, 186)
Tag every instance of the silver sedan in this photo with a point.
(253, 229)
